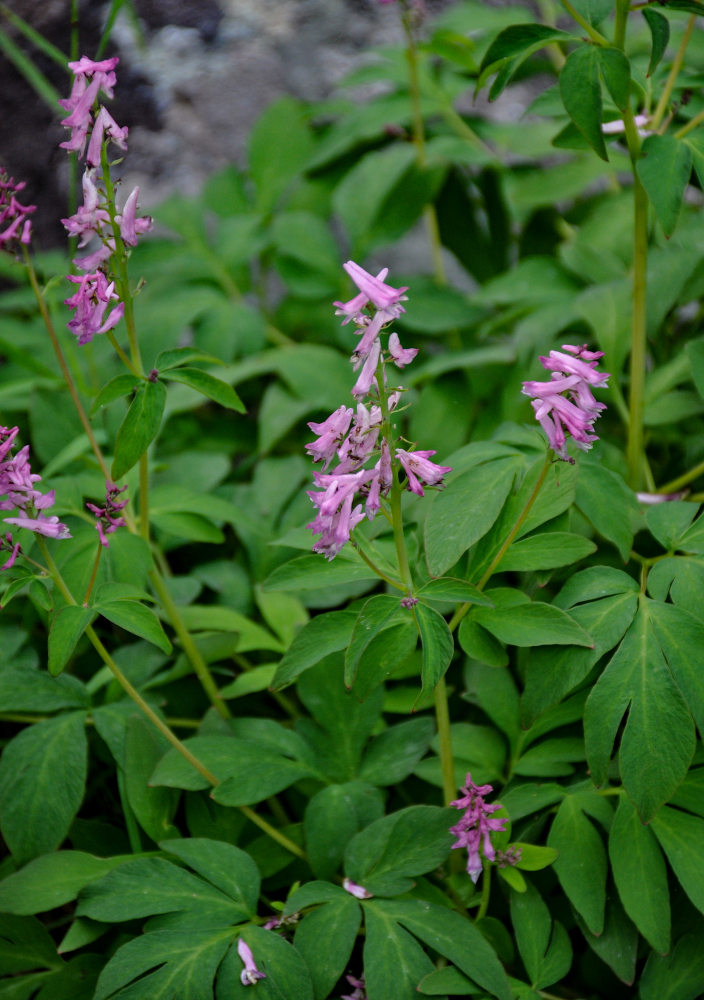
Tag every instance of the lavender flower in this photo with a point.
(358, 891)
(250, 974)
(474, 829)
(18, 486)
(356, 448)
(91, 301)
(565, 405)
(359, 988)
(15, 224)
(7, 543)
(89, 79)
(106, 521)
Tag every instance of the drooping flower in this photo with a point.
(91, 301)
(475, 827)
(7, 543)
(566, 405)
(106, 520)
(89, 79)
(15, 224)
(131, 227)
(356, 890)
(18, 486)
(250, 974)
(419, 469)
(358, 986)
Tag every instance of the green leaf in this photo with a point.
(464, 512)
(386, 854)
(67, 626)
(449, 934)
(139, 427)
(378, 614)
(544, 946)
(640, 875)
(325, 938)
(393, 754)
(534, 858)
(42, 779)
(121, 385)
(616, 71)
(166, 965)
(664, 169)
(580, 89)
(480, 644)
(677, 976)
(146, 886)
(207, 385)
(532, 624)
(511, 48)
(394, 962)
(607, 502)
(228, 868)
(581, 863)
(438, 646)
(546, 550)
(447, 588)
(279, 146)
(27, 690)
(660, 36)
(137, 619)
(153, 808)
(51, 881)
(617, 945)
(317, 639)
(638, 676)
(287, 976)
(681, 837)
(332, 817)
(313, 573)
(681, 635)
(25, 944)
(182, 356)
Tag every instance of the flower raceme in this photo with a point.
(354, 488)
(565, 406)
(475, 827)
(15, 224)
(18, 487)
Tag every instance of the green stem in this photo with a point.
(622, 8)
(357, 545)
(635, 452)
(683, 480)
(91, 582)
(442, 718)
(486, 892)
(188, 645)
(68, 378)
(122, 356)
(661, 106)
(690, 126)
(584, 24)
(429, 213)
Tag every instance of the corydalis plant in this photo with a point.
(97, 218)
(475, 827)
(565, 406)
(368, 459)
(15, 224)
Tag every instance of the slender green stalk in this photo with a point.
(690, 126)
(683, 480)
(357, 545)
(622, 8)
(122, 356)
(636, 404)
(68, 378)
(595, 35)
(442, 718)
(664, 100)
(91, 582)
(429, 213)
(188, 645)
(486, 892)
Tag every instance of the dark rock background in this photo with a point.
(194, 76)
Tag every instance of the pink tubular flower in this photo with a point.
(90, 302)
(474, 829)
(250, 974)
(132, 227)
(366, 376)
(89, 79)
(419, 469)
(402, 356)
(90, 219)
(358, 986)
(566, 405)
(358, 891)
(50, 527)
(15, 224)
(106, 521)
(105, 125)
(330, 433)
(7, 543)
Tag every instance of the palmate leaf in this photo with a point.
(638, 679)
(166, 965)
(581, 863)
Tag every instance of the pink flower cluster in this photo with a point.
(474, 829)
(106, 520)
(360, 992)
(93, 219)
(17, 486)
(15, 224)
(353, 479)
(566, 405)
